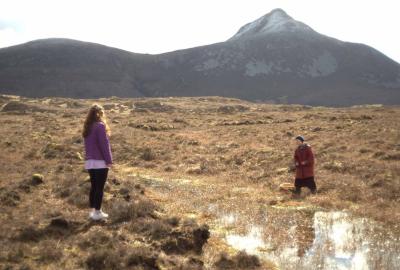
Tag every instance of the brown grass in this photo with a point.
(206, 150)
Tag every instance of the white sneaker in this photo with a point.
(98, 215)
(105, 215)
(91, 213)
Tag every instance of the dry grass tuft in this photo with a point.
(239, 261)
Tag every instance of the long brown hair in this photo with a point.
(95, 114)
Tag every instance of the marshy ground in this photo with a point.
(196, 180)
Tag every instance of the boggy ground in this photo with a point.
(177, 160)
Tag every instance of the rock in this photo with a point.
(37, 179)
(79, 156)
(124, 191)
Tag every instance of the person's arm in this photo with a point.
(296, 159)
(310, 157)
(104, 144)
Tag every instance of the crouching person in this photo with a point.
(304, 162)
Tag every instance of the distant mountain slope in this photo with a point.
(275, 58)
(63, 67)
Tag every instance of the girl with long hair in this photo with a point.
(98, 157)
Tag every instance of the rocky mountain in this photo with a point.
(275, 58)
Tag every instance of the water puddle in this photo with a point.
(320, 240)
(292, 235)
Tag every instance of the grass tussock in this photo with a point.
(239, 261)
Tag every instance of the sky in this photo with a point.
(157, 26)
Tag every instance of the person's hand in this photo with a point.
(109, 166)
(297, 164)
(304, 163)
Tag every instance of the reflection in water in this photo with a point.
(250, 242)
(305, 235)
(338, 242)
(324, 240)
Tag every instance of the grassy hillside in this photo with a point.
(213, 148)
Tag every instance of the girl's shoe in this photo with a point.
(104, 214)
(91, 213)
(98, 215)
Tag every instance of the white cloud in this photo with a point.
(9, 36)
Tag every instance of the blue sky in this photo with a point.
(157, 26)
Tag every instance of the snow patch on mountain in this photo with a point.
(260, 67)
(377, 81)
(254, 68)
(274, 22)
(393, 84)
(324, 65)
(207, 65)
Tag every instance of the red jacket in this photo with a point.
(304, 161)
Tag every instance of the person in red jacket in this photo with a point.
(304, 162)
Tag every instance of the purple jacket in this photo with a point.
(97, 145)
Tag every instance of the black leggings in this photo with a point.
(98, 179)
(306, 182)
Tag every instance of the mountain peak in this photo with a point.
(274, 22)
(277, 12)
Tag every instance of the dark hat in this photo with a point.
(300, 138)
